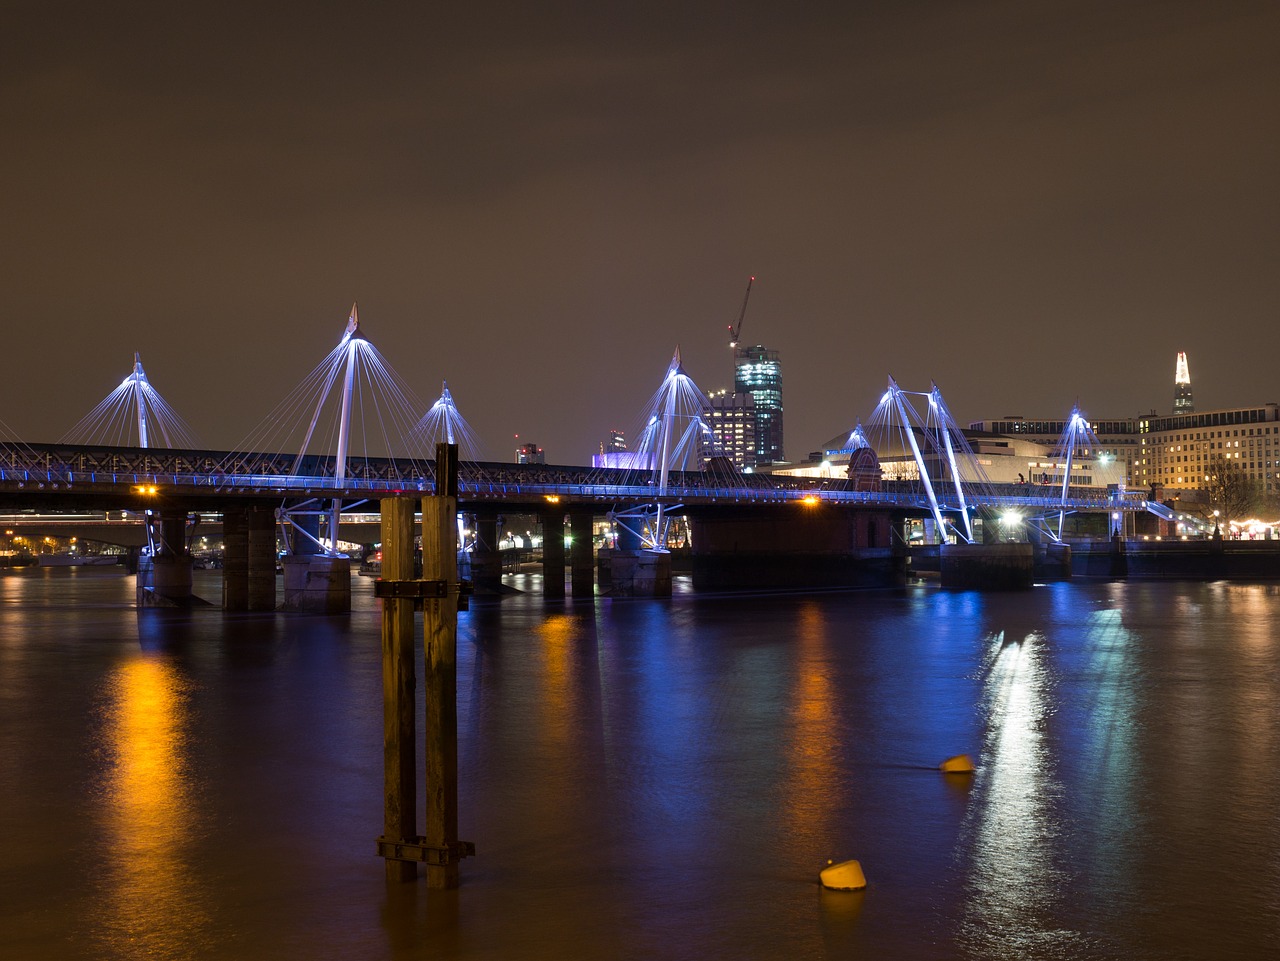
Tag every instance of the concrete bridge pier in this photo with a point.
(640, 573)
(988, 567)
(317, 584)
(248, 559)
(314, 583)
(798, 546)
(634, 571)
(486, 561)
(235, 559)
(261, 566)
(165, 580)
(553, 555)
(581, 555)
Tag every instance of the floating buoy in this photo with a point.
(845, 876)
(960, 764)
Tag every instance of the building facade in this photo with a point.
(1118, 439)
(1176, 451)
(758, 371)
(530, 454)
(732, 419)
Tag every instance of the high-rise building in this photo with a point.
(758, 372)
(617, 442)
(732, 419)
(1182, 402)
(530, 454)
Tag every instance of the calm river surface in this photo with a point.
(653, 779)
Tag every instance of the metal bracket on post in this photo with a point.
(420, 590)
(416, 849)
(415, 590)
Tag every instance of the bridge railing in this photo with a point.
(480, 486)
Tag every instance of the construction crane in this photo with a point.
(735, 330)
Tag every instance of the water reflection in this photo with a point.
(152, 901)
(1108, 749)
(1011, 832)
(813, 739)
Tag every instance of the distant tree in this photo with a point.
(1231, 493)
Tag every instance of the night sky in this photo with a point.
(1027, 203)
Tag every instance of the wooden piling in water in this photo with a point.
(439, 593)
(398, 722)
(440, 635)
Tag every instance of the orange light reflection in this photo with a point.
(153, 901)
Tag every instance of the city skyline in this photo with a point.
(1032, 207)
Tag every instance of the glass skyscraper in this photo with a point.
(758, 372)
(1182, 400)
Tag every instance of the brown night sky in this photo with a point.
(1028, 203)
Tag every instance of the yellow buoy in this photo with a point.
(960, 764)
(845, 876)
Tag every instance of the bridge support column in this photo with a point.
(165, 579)
(262, 560)
(486, 562)
(553, 555)
(235, 559)
(317, 584)
(581, 561)
(640, 573)
(988, 567)
(741, 548)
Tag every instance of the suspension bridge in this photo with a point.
(354, 432)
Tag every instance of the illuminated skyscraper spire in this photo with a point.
(1182, 402)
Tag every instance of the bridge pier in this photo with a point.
(248, 559)
(811, 546)
(581, 555)
(235, 559)
(988, 567)
(261, 568)
(165, 580)
(640, 573)
(553, 555)
(316, 584)
(486, 561)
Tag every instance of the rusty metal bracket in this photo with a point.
(417, 850)
(410, 590)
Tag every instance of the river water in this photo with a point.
(653, 779)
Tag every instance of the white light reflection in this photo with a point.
(1009, 834)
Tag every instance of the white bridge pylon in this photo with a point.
(940, 456)
(675, 437)
(444, 424)
(1079, 442)
(134, 410)
(353, 404)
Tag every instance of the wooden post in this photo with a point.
(440, 636)
(398, 722)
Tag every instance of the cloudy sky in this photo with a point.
(1028, 203)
